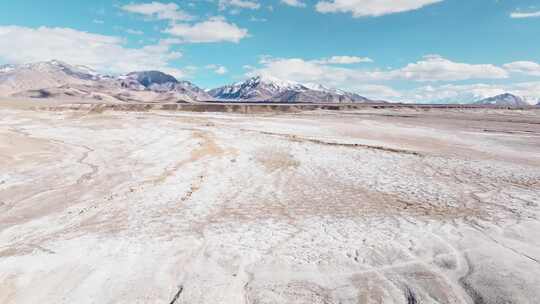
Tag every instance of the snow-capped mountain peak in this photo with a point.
(57, 79)
(268, 88)
(6, 68)
(505, 99)
(40, 75)
(273, 81)
(57, 65)
(321, 88)
(255, 88)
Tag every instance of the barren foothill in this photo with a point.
(390, 205)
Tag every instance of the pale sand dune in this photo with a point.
(365, 206)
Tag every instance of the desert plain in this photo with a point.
(370, 205)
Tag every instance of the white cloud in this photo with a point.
(98, 21)
(523, 67)
(520, 15)
(344, 60)
(436, 68)
(246, 4)
(300, 70)
(218, 69)
(101, 52)
(158, 10)
(429, 69)
(363, 8)
(313, 71)
(295, 3)
(375, 91)
(374, 83)
(450, 93)
(528, 90)
(215, 29)
(221, 70)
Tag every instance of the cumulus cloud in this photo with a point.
(218, 69)
(215, 29)
(344, 60)
(520, 15)
(238, 4)
(158, 10)
(523, 67)
(377, 91)
(450, 93)
(436, 68)
(442, 74)
(295, 3)
(221, 70)
(101, 52)
(377, 84)
(300, 70)
(429, 69)
(373, 83)
(364, 8)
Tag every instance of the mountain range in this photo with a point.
(501, 99)
(275, 90)
(59, 80)
(56, 79)
(506, 99)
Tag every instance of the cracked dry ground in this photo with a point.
(373, 206)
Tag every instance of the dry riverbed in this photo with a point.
(361, 206)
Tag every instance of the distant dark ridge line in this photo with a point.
(248, 108)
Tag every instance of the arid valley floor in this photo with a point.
(361, 206)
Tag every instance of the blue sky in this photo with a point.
(414, 50)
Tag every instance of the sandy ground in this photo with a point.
(366, 206)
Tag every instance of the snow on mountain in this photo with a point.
(462, 98)
(19, 78)
(264, 88)
(6, 68)
(321, 88)
(254, 89)
(55, 79)
(532, 100)
(505, 99)
(483, 98)
(157, 81)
